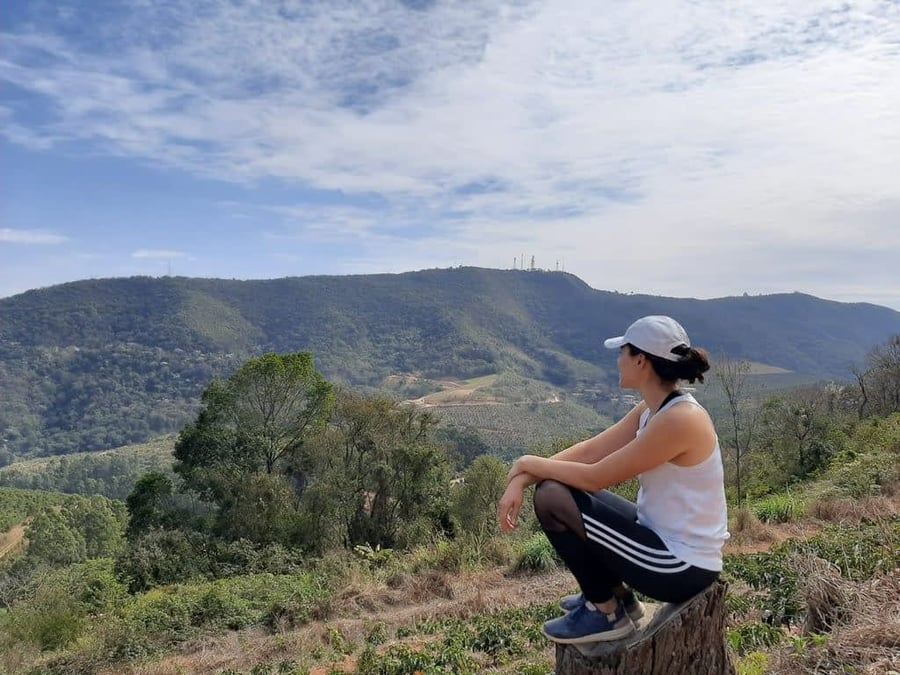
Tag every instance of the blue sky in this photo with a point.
(679, 148)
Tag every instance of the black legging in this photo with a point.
(600, 541)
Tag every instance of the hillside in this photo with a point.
(97, 364)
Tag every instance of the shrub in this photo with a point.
(774, 574)
(753, 636)
(538, 555)
(754, 663)
(780, 508)
(860, 552)
(62, 601)
(162, 557)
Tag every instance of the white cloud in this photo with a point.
(30, 237)
(158, 254)
(700, 145)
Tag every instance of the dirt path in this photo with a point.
(9, 541)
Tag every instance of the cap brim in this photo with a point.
(614, 343)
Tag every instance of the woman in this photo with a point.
(667, 546)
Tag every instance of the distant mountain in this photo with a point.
(101, 363)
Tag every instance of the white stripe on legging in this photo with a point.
(637, 546)
(667, 562)
(600, 539)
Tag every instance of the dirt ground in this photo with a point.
(9, 541)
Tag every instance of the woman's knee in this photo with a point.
(549, 496)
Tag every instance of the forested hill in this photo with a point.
(95, 364)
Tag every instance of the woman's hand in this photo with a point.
(511, 502)
(509, 506)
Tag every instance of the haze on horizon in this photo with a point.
(703, 149)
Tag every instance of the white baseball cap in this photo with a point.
(657, 335)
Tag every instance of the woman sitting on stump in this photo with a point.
(667, 546)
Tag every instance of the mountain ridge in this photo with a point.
(98, 363)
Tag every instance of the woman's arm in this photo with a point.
(607, 441)
(592, 449)
(671, 435)
(588, 451)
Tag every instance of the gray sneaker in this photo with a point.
(634, 608)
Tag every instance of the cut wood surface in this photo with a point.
(671, 639)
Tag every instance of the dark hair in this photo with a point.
(690, 366)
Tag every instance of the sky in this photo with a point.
(681, 148)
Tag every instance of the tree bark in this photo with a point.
(685, 639)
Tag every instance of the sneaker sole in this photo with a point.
(605, 636)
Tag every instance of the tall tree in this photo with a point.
(258, 420)
(377, 475)
(883, 377)
(794, 428)
(149, 504)
(734, 377)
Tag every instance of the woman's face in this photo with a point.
(629, 368)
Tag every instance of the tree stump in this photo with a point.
(683, 639)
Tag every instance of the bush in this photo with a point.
(780, 508)
(869, 464)
(62, 602)
(753, 636)
(860, 552)
(163, 557)
(538, 555)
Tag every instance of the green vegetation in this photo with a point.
(781, 508)
(17, 505)
(99, 364)
(111, 473)
(510, 430)
(288, 492)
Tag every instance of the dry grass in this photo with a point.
(852, 511)
(749, 535)
(862, 620)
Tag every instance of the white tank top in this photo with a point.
(685, 505)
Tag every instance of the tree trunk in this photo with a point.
(680, 639)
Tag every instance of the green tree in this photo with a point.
(462, 444)
(475, 499)
(264, 511)
(256, 421)
(795, 429)
(100, 522)
(150, 504)
(376, 475)
(51, 539)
